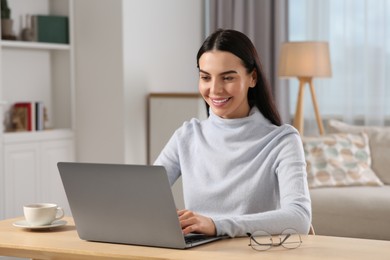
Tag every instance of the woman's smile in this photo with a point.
(219, 102)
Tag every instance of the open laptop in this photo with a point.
(127, 204)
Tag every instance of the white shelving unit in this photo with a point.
(34, 45)
(34, 71)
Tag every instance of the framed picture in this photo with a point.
(20, 117)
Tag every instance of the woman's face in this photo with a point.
(224, 83)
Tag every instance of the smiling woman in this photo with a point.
(242, 52)
(224, 84)
(242, 170)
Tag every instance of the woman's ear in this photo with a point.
(254, 78)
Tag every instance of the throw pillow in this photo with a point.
(379, 140)
(339, 160)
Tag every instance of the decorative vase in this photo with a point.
(6, 29)
(27, 32)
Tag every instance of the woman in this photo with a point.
(242, 170)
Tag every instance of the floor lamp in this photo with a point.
(305, 60)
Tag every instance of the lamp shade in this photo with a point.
(304, 59)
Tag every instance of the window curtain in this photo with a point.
(358, 32)
(265, 23)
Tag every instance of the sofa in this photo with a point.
(349, 180)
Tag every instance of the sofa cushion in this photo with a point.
(339, 160)
(379, 140)
(352, 211)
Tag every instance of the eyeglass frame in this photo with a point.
(273, 244)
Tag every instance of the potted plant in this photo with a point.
(6, 21)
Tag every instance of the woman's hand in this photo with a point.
(195, 223)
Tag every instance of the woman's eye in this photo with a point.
(228, 78)
(203, 77)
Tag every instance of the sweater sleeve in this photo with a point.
(295, 205)
(169, 158)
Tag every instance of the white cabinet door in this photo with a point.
(21, 177)
(31, 174)
(52, 189)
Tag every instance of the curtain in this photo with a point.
(265, 23)
(358, 32)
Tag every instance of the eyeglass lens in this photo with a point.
(261, 240)
(290, 239)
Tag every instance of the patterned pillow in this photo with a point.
(379, 140)
(339, 160)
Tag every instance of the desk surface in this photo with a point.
(64, 243)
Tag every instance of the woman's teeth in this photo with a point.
(220, 101)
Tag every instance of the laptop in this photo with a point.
(126, 204)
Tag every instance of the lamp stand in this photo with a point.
(298, 119)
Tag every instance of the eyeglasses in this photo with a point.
(261, 240)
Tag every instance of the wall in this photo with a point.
(99, 81)
(161, 39)
(126, 49)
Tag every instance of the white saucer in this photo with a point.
(24, 224)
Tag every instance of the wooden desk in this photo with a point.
(64, 243)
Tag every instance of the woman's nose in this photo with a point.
(216, 88)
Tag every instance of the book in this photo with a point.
(19, 121)
(39, 116)
(50, 28)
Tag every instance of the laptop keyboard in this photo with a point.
(193, 238)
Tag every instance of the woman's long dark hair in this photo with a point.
(241, 46)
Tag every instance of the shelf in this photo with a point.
(32, 136)
(34, 45)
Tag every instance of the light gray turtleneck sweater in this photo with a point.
(246, 174)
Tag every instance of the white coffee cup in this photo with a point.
(41, 214)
